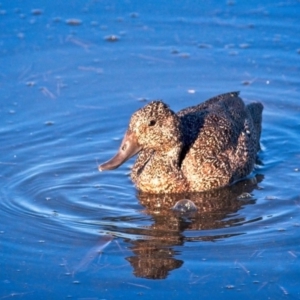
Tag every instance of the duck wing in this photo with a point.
(207, 104)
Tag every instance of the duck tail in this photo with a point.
(255, 109)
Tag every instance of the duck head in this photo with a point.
(155, 126)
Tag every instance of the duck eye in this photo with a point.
(152, 123)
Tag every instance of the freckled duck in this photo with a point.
(202, 147)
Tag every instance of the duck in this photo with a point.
(203, 147)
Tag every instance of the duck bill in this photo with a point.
(129, 147)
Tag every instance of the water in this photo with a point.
(67, 90)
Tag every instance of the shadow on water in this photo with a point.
(154, 255)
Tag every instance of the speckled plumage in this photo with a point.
(200, 148)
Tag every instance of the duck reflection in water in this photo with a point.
(154, 256)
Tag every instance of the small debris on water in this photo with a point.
(285, 292)
(184, 55)
(246, 82)
(271, 198)
(73, 22)
(233, 53)
(174, 51)
(244, 46)
(112, 38)
(204, 46)
(36, 12)
(56, 19)
(49, 123)
(292, 254)
(281, 229)
(230, 286)
(134, 15)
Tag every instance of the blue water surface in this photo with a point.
(72, 73)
